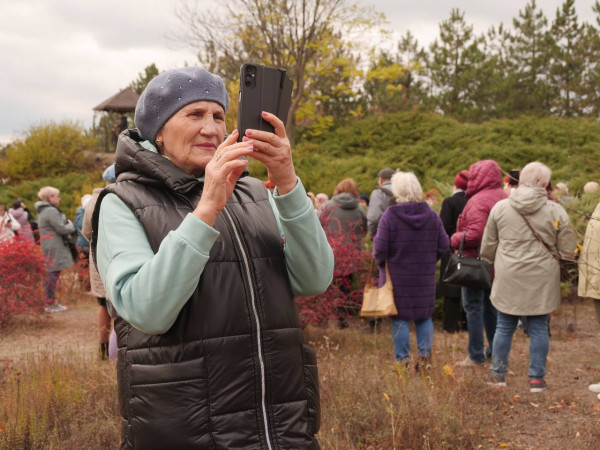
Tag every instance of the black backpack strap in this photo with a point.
(387, 191)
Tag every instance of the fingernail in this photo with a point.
(249, 133)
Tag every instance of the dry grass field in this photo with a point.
(54, 393)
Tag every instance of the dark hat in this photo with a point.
(170, 91)
(365, 198)
(386, 173)
(461, 180)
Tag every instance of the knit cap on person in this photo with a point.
(461, 180)
(170, 91)
(386, 173)
(109, 174)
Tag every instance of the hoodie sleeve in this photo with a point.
(147, 289)
(57, 222)
(566, 239)
(308, 255)
(471, 223)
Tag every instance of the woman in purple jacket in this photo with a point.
(411, 238)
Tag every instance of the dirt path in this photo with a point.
(567, 414)
(73, 330)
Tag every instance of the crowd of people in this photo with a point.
(197, 264)
(516, 223)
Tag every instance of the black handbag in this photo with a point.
(467, 272)
(68, 240)
(569, 267)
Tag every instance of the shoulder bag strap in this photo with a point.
(538, 237)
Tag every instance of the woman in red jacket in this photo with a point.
(484, 189)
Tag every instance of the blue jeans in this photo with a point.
(480, 314)
(401, 336)
(537, 327)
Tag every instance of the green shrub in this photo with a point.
(47, 150)
(435, 148)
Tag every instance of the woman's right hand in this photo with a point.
(221, 175)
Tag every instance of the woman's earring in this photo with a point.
(160, 145)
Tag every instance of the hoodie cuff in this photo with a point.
(292, 204)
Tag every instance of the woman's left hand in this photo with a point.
(274, 151)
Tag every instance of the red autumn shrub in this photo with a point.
(22, 279)
(344, 295)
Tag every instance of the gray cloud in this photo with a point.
(63, 57)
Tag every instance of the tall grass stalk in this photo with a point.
(59, 401)
(369, 401)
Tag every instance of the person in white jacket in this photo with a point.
(527, 275)
(589, 270)
(8, 225)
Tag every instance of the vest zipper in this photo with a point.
(258, 327)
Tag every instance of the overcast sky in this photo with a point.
(60, 58)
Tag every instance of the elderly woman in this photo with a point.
(202, 264)
(527, 276)
(410, 238)
(484, 190)
(54, 230)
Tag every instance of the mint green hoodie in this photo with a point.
(149, 290)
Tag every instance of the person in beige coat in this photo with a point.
(527, 276)
(97, 287)
(589, 270)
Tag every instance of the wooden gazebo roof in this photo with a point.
(124, 101)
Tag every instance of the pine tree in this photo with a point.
(591, 74)
(530, 57)
(568, 60)
(457, 60)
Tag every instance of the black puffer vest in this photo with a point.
(233, 371)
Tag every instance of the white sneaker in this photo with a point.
(594, 388)
(495, 381)
(468, 362)
(54, 307)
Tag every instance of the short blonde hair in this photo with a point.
(46, 192)
(535, 174)
(406, 188)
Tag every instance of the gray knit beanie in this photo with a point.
(170, 91)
